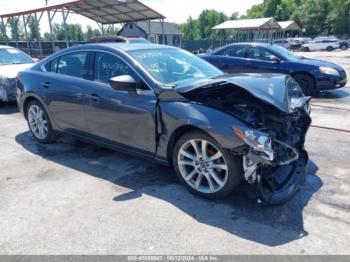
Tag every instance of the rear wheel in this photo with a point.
(330, 48)
(306, 49)
(204, 167)
(39, 123)
(306, 83)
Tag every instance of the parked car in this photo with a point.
(312, 75)
(321, 44)
(165, 104)
(118, 39)
(12, 61)
(345, 44)
(283, 43)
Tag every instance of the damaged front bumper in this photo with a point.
(7, 89)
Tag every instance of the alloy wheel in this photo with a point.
(202, 165)
(37, 122)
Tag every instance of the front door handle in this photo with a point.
(46, 84)
(93, 99)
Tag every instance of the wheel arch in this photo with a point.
(29, 99)
(305, 73)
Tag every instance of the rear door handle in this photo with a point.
(93, 99)
(46, 84)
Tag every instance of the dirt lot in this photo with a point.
(75, 198)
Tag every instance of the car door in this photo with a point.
(115, 116)
(261, 60)
(63, 90)
(231, 60)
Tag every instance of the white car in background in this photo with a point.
(12, 61)
(328, 44)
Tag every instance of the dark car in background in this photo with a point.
(344, 44)
(118, 39)
(165, 104)
(312, 75)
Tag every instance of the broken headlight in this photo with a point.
(3, 84)
(296, 97)
(259, 142)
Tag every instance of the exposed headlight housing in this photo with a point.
(296, 97)
(260, 143)
(329, 71)
(3, 93)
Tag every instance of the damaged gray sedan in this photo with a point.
(164, 104)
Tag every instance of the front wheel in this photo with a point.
(343, 47)
(306, 83)
(39, 123)
(204, 167)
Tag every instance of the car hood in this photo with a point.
(270, 88)
(318, 63)
(10, 71)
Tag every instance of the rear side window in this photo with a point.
(72, 64)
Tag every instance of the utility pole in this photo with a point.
(46, 2)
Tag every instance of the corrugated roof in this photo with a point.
(250, 24)
(156, 27)
(103, 11)
(289, 25)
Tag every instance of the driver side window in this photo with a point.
(108, 66)
(261, 54)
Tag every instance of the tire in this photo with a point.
(330, 48)
(344, 47)
(224, 179)
(306, 83)
(39, 123)
(306, 49)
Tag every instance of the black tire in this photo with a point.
(344, 47)
(306, 49)
(330, 48)
(307, 84)
(234, 164)
(50, 137)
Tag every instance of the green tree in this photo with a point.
(15, 27)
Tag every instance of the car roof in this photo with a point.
(6, 47)
(251, 44)
(129, 47)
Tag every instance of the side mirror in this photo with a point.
(124, 83)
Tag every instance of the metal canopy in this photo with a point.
(289, 25)
(250, 24)
(102, 11)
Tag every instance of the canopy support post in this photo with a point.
(25, 23)
(37, 21)
(50, 18)
(65, 16)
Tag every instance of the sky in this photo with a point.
(174, 10)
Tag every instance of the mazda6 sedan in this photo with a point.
(164, 104)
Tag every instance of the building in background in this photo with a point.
(168, 33)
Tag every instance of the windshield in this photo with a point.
(174, 66)
(10, 56)
(284, 53)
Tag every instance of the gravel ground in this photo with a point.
(75, 198)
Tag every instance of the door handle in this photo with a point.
(46, 84)
(94, 99)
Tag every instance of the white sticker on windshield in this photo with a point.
(13, 51)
